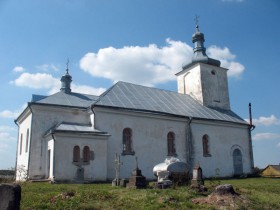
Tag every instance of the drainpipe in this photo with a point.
(53, 158)
(251, 128)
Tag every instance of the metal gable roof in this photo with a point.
(66, 99)
(137, 97)
(74, 128)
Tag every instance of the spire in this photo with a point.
(198, 40)
(66, 80)
(199, 49)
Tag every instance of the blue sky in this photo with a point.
(143, 42)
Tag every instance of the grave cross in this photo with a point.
(117, 167)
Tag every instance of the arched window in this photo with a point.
(171, 151)
(86, 155)
(127, 142)
(76, 154)
(27, 140)
(20, 144)
(205, 144)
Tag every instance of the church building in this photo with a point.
(71, 136)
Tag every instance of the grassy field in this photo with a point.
(262, 193)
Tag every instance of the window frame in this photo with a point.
(206, 145)
(127, 143)
(171, 147)
(27, 140)
(86, 154)
(20, 144)
(76, 154)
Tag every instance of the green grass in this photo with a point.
(263, 193)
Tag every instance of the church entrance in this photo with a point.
(237, 162)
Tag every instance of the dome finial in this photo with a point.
(66, 80)
(196, 22)
(67, 64)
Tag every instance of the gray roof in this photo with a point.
(66, 99)
(76, 128)
(129, 96)
(140, 98)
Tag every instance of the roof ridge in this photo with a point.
(105, 93)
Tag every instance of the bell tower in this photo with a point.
(203, 78)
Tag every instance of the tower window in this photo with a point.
(213, 72)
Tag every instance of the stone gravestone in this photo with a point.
(137, 180)
(10, 196)
(197, 179)
(163, 180)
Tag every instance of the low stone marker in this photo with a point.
(10, 196)
(197, 179)
(224, 189)
(137, 180)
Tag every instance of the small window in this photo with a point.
(86, 154)
(27, 140)
(76, 154)
(171, 144)
(213, 72)
(205, 143)
(20, 144)
(127, 142)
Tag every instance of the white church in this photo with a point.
(71, 136)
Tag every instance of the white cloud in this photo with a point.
(18, 69)
(9, 114)
(5, 128)
(47, 81)
(47, 67)
(84, 89)
(227, 60)
(87, 89)
(266, 121)
(266, 136)
(147, 65)
(12, 114)
(150, 65)
(36, 81)
(5, 140)
(6, 137)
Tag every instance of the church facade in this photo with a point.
(71, 136)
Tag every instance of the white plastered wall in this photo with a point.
(205, 83)
(149, 137)
(65, 169)
(23, 148)
(44, 118)
(223, 139)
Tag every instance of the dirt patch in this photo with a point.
(62, 196)
(223, 199)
